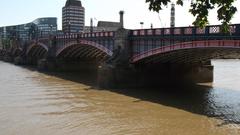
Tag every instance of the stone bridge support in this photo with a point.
(117, 71)
(155, 75)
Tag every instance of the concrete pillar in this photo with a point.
(200, 74)
(159, 75)
(188, 74)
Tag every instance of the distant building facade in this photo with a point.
(23, 32)
(46, 26)
(73, 17)
(1, 45)
(103, 26)
(106, 25)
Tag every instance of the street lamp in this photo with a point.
(141, 23)
(41, 32)
(51, 26)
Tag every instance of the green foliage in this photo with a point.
(200, 10)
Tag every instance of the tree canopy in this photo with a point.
(200, 9)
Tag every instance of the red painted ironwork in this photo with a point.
(167, 31)
(149, 32)
(86, 43)
(158, 31)
(187, 45)
(188, 31)
(84, 35)
(142, 32)
(214, 29)
(200, 31)
(177, 31)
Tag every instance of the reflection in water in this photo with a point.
(36, 103)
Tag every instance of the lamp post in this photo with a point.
(141, 23)
(51, 26)
(41, 32)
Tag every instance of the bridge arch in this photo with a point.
(83, 49)
(17, 52)
(190, 52)
(37, 50)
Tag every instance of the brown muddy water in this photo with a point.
(34, 103)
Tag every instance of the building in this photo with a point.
(46, 26)
(39, 27)
(103, 26)
(24, 32)
(106, 25)
(1, 45)
(73, 17)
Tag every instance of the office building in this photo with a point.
(73, 17)
(41, 27)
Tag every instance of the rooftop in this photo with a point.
(73, 3)
(108, 24)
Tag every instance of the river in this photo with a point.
(34, 103)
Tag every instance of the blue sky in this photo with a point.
(14, 12)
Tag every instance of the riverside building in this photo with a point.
(41, 27)
(73, 17)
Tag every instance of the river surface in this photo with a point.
(34, 103)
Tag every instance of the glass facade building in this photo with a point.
(41, 27)
(37, 28)
(46, 26)
(73, 17)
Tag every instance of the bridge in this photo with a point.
(126, 56)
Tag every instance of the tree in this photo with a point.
(200, 10)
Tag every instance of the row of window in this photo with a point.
(73, 20)
(73, 12)
(73, 8)
(70, 19)
(73, 15)
(73, 23)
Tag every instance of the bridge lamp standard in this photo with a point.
(41, 32)
(51, 27)
(141, 23)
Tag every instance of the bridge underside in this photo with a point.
(183, 66)
(17, 52)
(192, 56)
(36, 53)
(82, 53)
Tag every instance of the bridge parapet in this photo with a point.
(185, 31)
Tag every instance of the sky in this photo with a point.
(13, 12)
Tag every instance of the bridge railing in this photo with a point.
(180, 31)
(86, 35)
